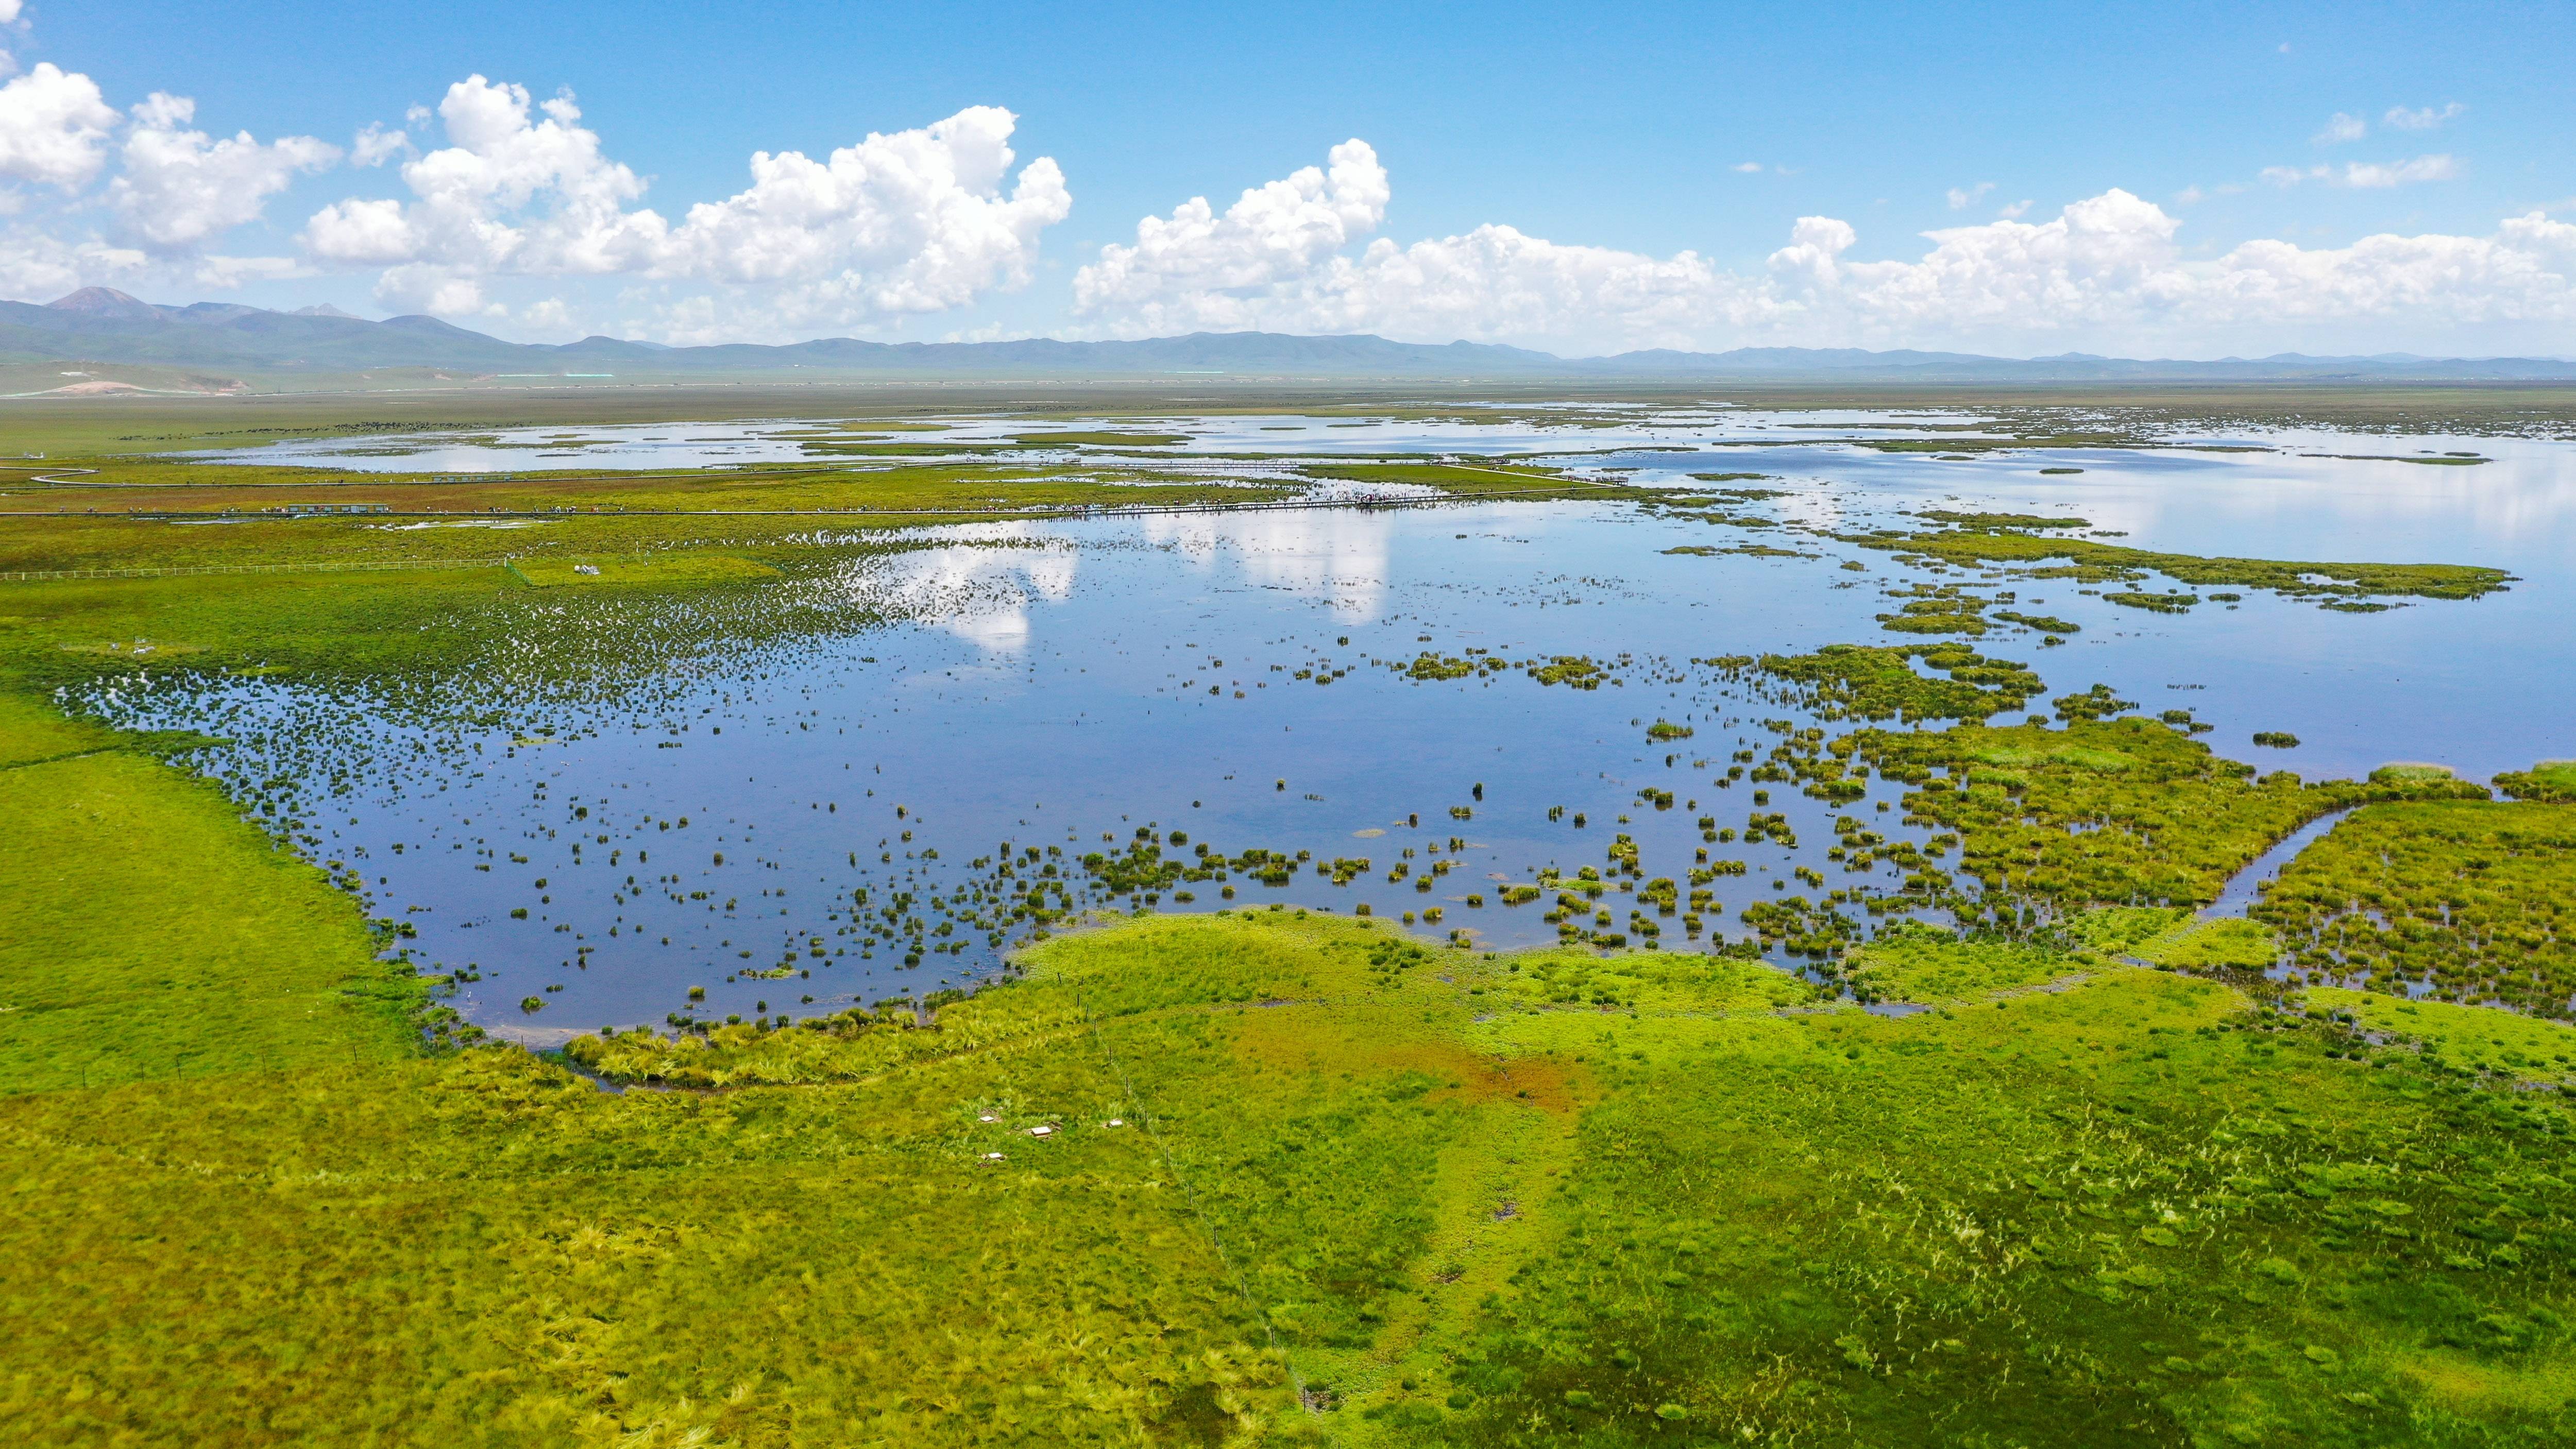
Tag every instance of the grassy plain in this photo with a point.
(2530, 1049)
(1295, 1187)
(151, 935)
(418, 401)
(665, 570)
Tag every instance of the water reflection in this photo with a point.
(1336, 556)
(978, 589)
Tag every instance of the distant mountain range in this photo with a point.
(105, 326)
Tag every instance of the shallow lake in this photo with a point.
(628, 446)
(1063, 685)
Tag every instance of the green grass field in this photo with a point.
(658, 570)
(152, 935)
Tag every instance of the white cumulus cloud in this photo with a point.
(54, 127)
(2099, 260)
(1962, 197)
(1274, 235)
(2108, 268)
(912, 222)
(550, 315)
(513, 192)
(177, 188)
(436, 290)
(916, 221)
(2105, 272)
(2340, 127)
(2525, 273)
(174, 190)
(1276, 259)
(37, 266)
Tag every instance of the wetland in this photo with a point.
(1351, 920)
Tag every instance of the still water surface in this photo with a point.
(1063, 685)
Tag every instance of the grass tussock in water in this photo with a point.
(1879, 682)
(2102, 811)
(2550, 780)
(1936, 609)
(2468, 900)
(2044, 556)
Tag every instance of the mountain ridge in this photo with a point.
(103, 325)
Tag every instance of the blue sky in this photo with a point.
(1651, 164)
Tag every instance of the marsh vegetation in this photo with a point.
(1277, 1012)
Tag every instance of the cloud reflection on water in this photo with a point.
(979, 588)
(1334, 555)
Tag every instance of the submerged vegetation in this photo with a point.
(1879, 682)
(2001, 520)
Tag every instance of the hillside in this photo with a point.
(100, 325)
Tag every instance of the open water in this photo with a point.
(1060, 686)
